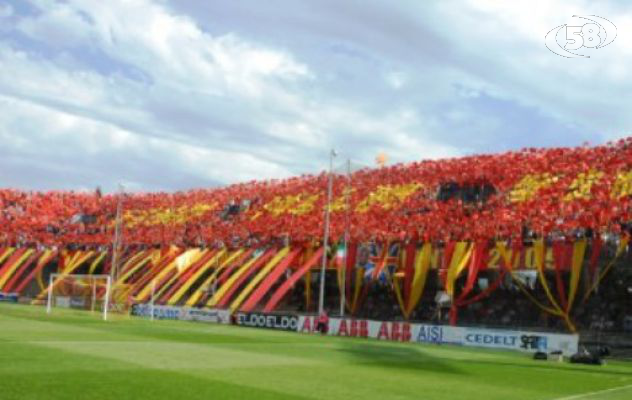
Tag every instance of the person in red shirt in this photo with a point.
(323, 323)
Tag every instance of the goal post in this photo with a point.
(84, 292)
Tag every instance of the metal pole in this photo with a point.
(153, 290)
(117, 241)
(49, 301)
(321, 297)
(343, 298)
(117, 235)
(107, 298)
(94, 295)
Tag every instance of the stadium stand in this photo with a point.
(533, 237)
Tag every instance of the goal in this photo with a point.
(82, 292)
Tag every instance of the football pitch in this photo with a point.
(74, 355)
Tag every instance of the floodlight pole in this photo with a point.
(153, 292)
(343, 297)
(49, 300)
(108, 292)
(117, 235)
(330, 183)
(117, 241)
(94, 296)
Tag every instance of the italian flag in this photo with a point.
(339, 258)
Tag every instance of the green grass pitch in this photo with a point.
(74, 355)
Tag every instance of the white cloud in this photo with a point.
(225, 66)
(6, 10)
(396, 79)
(207, 97)
(174, 50)
(106, 151)
(219, 107)
(506, 42)
(58, 26)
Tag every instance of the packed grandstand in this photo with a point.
(532, 238)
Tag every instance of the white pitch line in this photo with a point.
(585, 395)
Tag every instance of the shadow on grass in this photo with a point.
(39, 372)
(557, 367)
(133, 328)
(394, 356)
(136, 329)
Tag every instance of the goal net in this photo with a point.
(82, 292)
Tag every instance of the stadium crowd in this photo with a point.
(545, 192)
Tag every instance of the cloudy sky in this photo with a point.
(167, 95)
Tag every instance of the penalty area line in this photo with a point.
(590, 394)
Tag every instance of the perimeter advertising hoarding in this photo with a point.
(473, 337)
(269, 321)
(206, 315)
(497, 339)
(182, 313)
(8, 297)
(394, 331)
(160, 312)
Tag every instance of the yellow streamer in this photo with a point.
(231, 281)
(398, 295)
(144, 288)
(15, 266)
(196, 276)
(96, 262)
(258, 278)
(308, 290)
(6, 253)
(75, 262)
(197, 295)
(357, 288)
(579, 249)
(131, 266)
(538, 247)
(185, 260)
(460, 258)
(210, 264)
(340, 272)
(422, 266)
(623, 244)
(502, 249)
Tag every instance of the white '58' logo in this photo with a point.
(565, 39)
